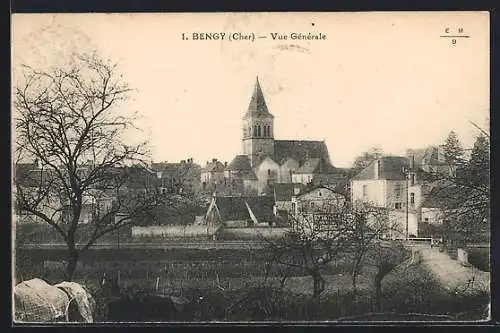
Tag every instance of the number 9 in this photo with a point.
(453, 41)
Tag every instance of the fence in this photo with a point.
(174, 231)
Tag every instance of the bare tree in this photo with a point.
(319, 236)
(371, 224)
(68, 120)
(385, 256)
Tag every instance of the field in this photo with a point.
(242, 283)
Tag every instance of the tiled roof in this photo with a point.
(257, 107)
(332, 189)
(316, 166)
(216, 166)
(283, 191)
(391, 168)
(234, 208)
(429, 156)
(300, 150)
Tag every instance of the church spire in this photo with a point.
(258, 106)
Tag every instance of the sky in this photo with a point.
(378, 79)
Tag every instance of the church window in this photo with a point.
(255, 130)
(268, 172)
(250, 131)
(258, 131)
(266, 130)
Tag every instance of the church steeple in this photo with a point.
(257, 107)
(258, 127)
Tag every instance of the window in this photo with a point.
(426, 219)
(365, 190)
(265, 130)
(412, 181)
(412, 198)
(397, 205)
(268, 172)
(319, 193)
(258, 131)
(255, 130)
(398, 190)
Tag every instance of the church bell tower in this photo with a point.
(258, 128)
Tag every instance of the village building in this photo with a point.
(267, 161)
(234, 211)
(431, 160)
(391, 183)
(179, 177)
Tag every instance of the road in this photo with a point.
(453, 276)
(157, 245)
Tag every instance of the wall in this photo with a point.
(174, 231)
(262, 172)
(318, 198)
(391, 197)
(289, 165)
(302, 178)
(417, 190)
(432, 214)
(399, 219)
(375, 191)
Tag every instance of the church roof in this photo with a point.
(391, 168)
(240, 163)
(300, 150)
(316, 166)
(257, 106)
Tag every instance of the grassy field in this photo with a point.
(234, 285)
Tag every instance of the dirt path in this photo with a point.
(453, 276)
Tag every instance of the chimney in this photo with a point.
(377, 168)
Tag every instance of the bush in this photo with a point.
(480, 258)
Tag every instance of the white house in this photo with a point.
(390, 183)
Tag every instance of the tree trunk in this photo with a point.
(73, 257)
(318, 283)
(378, 292)
(354, 281)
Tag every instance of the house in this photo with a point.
(390, 182)
(212, 175)
(320, 199)
(180, 177)
(234, 211)
(431, 160)
(32, 179)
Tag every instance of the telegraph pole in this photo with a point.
(407, 190)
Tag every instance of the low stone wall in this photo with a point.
(174, 231)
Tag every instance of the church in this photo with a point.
(266, 161)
